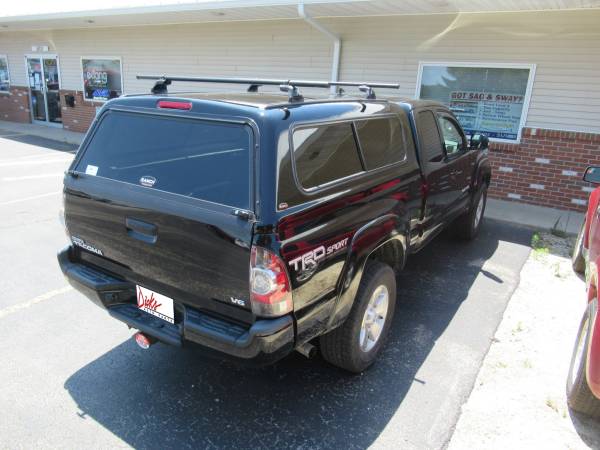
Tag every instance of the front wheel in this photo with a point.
(467, 226)
(354, 346)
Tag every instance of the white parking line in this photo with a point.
(34, 177)
(33, 197)
(34, 155)
(31, 163)
(40, 298)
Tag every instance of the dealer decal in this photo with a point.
(147, 181)
(91, 170)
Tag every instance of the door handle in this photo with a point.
(142, 231)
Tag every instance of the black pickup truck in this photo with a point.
(256, 224)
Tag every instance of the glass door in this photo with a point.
(44, 85)
(36, 86)
(52, 89)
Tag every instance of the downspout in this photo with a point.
(337, 43)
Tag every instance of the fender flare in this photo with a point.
(482, 169)
(365, 242)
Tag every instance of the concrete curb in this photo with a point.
(533, 216)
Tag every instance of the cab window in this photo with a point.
(325, 153)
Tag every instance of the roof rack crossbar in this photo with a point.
(162, 81)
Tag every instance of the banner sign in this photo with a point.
(497, 113)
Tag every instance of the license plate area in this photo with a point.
(154, 303)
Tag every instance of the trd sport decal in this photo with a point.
(310, 259)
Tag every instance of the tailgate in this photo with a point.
(152, 199)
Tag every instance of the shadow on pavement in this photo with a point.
(176, 398)
(41, 142)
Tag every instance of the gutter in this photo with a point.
(337, 43)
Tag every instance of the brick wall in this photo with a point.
(14, 106)
(545, 168)
(79, 117)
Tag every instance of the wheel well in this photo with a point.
(390, 253)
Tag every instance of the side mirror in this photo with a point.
(592, 175)
(479, 142)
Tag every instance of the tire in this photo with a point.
(579, 395)
(349, 346)
(467, 226)
(578, 259)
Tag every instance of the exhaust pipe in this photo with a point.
(307, 350)
(143, 340)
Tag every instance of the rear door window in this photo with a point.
(201, 159)
(325, 153)
(382, 141)
(429, 135)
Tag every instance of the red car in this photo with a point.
(583, 382)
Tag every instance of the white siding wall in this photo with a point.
(565, 46)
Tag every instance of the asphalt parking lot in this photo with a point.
(73, 378)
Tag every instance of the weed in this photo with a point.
(557, 272)
(538, 245)
(518, 328)
(550, 403)
(536, 240)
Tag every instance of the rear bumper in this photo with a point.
(264, 342)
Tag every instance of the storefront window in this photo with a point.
(490, 100)
(4, 75)
(101, 78)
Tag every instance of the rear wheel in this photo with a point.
(579, 395)
(354, 346)
(467, 226)
(578, 260)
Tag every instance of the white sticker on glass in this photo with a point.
(91, 170)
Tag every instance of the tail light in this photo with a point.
(270, 288)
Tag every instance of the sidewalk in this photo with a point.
(47, 132)
(518, 400)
